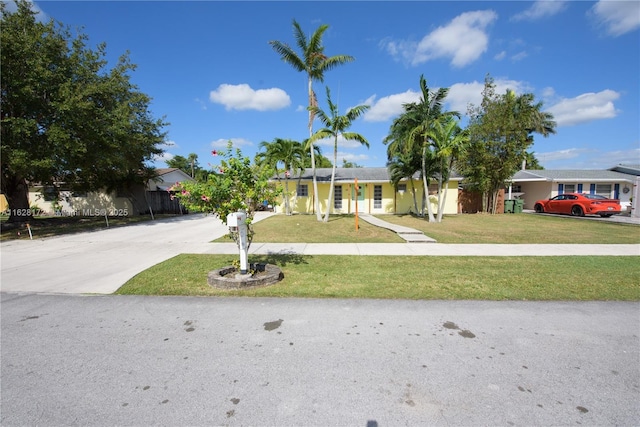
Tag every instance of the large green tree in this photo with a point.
(314, 63)
(501, 130)
(336, 126)
(65, 117)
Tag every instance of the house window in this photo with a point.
(377, 196)
(402, 188)
(569, 188)
(337, 197)
(603, 190)
(302, 190)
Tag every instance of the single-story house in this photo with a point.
(615, 183)
(60, 201)
(375, 193)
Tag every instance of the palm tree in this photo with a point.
(314, 63)
(193, 161)
(335, 126)
(404, 165)
(448, 141)
(424, 113)
(291, 154)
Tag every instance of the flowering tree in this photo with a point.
(235, 185)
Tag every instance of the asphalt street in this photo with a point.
(178, 361)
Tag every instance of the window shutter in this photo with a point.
(560, 188)
(616, 191)
(592, 189)
(579, 188)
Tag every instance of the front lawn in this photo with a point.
(464, 228)
(468, 278)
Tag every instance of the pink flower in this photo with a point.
(185, 193)
(172, 197)
(205, 198)
(221, 170)
(214, 153)
(287, 174)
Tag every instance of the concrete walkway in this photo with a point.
(410, 235)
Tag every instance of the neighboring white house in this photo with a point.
(56, 200)
(166, 177)
(615, 183)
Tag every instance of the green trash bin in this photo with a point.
(518, 206)
(508, 205)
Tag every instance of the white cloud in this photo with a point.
(462, 94)
(40, 15)
(570, 153)
(619, 17)
(500, 56)
(541, 9)
(585, 108)
(201, 103)
(350, 157)
(243, 97)
(519, 56)
(237, 143)
(463, 40)
(169, 144)
(342, 143)
(389, 106)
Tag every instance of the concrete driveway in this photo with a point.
(102, 261)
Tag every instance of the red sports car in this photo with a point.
(578, 204)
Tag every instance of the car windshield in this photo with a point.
(594, 196)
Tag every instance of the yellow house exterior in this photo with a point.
(375, 194)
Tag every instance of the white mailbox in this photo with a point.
(236, 219)
(237, 223)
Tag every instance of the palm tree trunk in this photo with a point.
(287, 206)
(426, 186)
(413, 191)
(316, 201)
(333, 177)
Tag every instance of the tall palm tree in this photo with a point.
(193, 161)
(424, 113)
(448, 141)
(404, 157)
(314, 63)
(291, 154)
(335, 126)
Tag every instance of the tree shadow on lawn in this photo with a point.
(281, 258)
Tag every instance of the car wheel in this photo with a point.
(577, 211)
(539, 208)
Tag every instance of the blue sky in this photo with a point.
(211, 72)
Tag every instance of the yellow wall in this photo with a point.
(392, 202)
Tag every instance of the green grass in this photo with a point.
(464, 228)
(306, 229)
(468, 278)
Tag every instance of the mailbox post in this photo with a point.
(237, 223)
